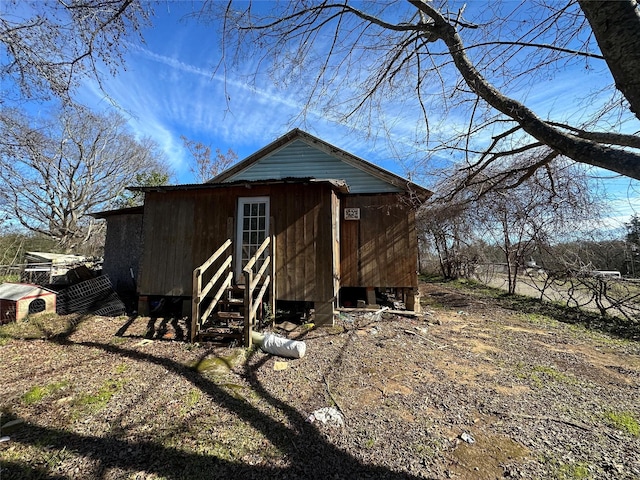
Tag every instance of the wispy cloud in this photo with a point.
(240, 114)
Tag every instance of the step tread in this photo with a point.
(232, 301)
(213, 335)
(221, 330)
(230, 315)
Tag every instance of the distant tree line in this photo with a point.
(451, 249)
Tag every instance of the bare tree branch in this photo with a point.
(576, 148)
(360, 61)
(50, 46)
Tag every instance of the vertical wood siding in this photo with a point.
(183, 228)
(302, 220)
(168, 234)
(380, 249)
(123, 250)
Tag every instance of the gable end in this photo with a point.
(301, 155)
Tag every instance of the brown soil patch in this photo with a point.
(484, 459)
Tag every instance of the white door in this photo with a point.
(252, 229)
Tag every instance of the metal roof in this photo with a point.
(54, 258)
(339, 185)
(120, 211)
(18, 291)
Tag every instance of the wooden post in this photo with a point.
(371, 296)
(413, 300)
(323, 314)
(248, 279)
(272, 293)
(195, 308)
(143, 306)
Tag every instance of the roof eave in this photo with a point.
(337, 184)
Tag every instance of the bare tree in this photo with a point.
(583, 275)
(354, 61)
(528, 217)
(507, 223)
(48, 46)
(446, 229)
(204, 166)
(55, 171)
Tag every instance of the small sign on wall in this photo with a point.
(352, 214)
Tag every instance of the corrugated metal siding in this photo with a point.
(303, 161)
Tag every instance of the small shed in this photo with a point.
(300, 219)
(122, 248)
(17, 300)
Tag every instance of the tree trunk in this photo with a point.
(616, 26)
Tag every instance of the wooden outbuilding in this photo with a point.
(123, 249)
(298, 221)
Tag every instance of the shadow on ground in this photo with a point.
(307, 452)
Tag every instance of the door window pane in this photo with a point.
(254, 226)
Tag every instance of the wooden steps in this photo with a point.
(219, 307)
(226, 324)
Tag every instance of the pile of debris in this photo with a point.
(83, 289)
(93, 295)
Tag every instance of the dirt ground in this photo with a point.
(470, 390)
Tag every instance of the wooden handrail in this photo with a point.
(252, 279)
(258, 276)
(200, 293)
(226, 284)
(214, 279)
(254, 309)
(213, 257)
(254, 259)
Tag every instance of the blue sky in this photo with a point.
(170, 89)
